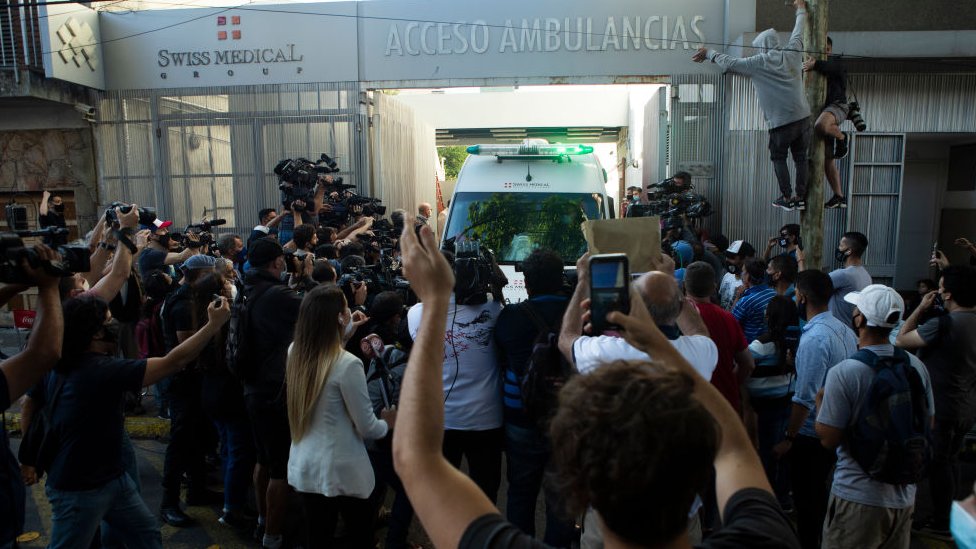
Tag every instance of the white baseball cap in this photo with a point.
(881, 306)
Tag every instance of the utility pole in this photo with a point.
(812, 219)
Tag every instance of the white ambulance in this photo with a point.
(516, 198)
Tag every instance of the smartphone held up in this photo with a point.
(609, 289)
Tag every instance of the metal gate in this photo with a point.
(874, 179)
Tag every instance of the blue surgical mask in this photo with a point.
(963, 527)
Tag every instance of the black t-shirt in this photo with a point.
(753, 519)
(271, 329)
(53, 219)
(950, 357)
(12, 492)
(87, 421)
(515, 335)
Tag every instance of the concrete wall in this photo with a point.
(53, 159)
(893, 15)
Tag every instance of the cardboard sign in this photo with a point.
(638, 237)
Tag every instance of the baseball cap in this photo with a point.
(881, 306)
(156, 225)
(683, 252)
(741, 247)
(199, 261)
(264, 251)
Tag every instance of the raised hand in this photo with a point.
(424, 266)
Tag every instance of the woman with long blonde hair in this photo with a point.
(330, 415)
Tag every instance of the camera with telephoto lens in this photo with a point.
(294, 259)
(297, 178)
(146, 214)
(473, 272)
(854, 115)
(73, 259)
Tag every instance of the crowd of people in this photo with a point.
(727, 409)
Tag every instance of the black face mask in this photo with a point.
(58, 208)
(769, 280)
(840, 255)
(734, 269)
(111, 332)
(163, 240)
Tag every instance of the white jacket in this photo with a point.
(331, 458)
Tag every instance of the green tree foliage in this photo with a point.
(513, 224)
(453, 159)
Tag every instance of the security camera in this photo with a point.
(87, 111)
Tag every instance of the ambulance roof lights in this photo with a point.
(529, 150)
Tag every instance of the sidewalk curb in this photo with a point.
(137, 427)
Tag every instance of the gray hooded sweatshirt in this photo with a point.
(776, 74)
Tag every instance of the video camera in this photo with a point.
(74, 259)
(670, 200)
(146, 214)
(474, 272)
(297, 177)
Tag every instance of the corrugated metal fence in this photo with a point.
(213, 150)
(891, 104)
(405, 160)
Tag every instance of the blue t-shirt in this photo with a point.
(750, 310)
(844, 392)
(154, 260)
(88, 420)
(824, 343)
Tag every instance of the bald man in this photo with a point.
(677, 318)
(423, 213)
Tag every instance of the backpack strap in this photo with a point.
(536, 318)
(866, 357)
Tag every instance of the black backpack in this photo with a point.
(238, 355)
(546, 371)
(39, 446)
(891, 437)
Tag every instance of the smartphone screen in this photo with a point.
(609, 289)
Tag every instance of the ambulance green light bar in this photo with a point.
(530, 150)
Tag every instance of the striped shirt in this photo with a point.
(770, 379)
(750, 310)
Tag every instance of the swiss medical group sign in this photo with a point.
(402, 41)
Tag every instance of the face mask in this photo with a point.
(59, 208)
(734, 269)
(840, 255)
(963, 527)
(769, 280)
(939, 301)
(111, 331)
(783, 242)
(163, 240)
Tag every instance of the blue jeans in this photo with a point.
(110, 539)
(527, 456)
(771, 428)
(237, 455)
(75, 516)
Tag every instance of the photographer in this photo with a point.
(231, 248)
(21, 372)
(471, 378)
(158, 255)
(50, 213)
(304, 238)
(272, 311)
(86, 482)
(788, 239)
(110, 248)
(190, 432)
(834, 114)
(268, 221)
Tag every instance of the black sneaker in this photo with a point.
(783, 204)
(836, 202)
(174, 516)
(800, 204)
(840, 147)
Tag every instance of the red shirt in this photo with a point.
(728, 337)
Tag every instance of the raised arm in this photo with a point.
(737, 465)
(182, 354)
(445, 499)
(43, 349)
(796, 37)
(109, 286)
(42, 208)
(572, 326)
(908, 336)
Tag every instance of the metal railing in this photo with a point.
(20, 37)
